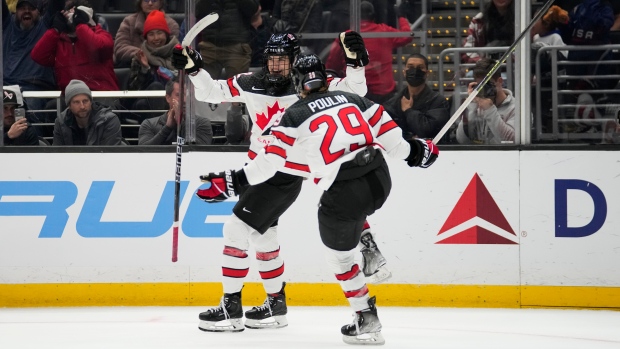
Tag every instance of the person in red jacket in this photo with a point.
(381, 85)
(78, 48)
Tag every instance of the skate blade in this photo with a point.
(230, 325)
(371, 338)
(270, 322)
(382, 275)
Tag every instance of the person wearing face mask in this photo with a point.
(418, 110)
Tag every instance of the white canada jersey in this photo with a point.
(329, 129)
(265, 109)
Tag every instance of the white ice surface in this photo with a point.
(309, 327)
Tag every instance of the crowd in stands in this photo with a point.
(65, 45)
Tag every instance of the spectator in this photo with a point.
(493, 27)
(490, 117)
(20, 33)
(225, 44)
(16, 132)
(418, 110)
(545, 32)
(85, 122)
(78, 48)
(162, 129)
(129, 37)
(590, 23)
(152, 68)
(298, 16)
(381, 85)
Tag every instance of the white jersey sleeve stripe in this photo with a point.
(284, 138)
(390, 125)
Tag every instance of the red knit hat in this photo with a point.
(155, 20)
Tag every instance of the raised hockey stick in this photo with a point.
(189, 37)
(486, 79)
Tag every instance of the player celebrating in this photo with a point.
(344, 137)
(267, 95)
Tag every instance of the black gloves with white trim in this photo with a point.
(186, 58)
(423, 153)
(355, 54)
(224, 185)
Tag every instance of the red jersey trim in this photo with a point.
(376, 117)
(298, 167)
(274, 149)
(233, 90)
(284, 138)
(387, 127)
(251, 154)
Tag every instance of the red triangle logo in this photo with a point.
(476, 201)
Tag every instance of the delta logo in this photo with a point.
(476, 219)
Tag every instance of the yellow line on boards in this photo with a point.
(307, 294)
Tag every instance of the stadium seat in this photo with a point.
(122, 74)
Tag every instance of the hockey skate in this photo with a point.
(373, 261)
(272, 314)
(366, 327)
(226, 317)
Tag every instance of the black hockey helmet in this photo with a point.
(308, 74)
(281, 44)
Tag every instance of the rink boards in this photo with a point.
(478, 229)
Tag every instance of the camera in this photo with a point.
(488, 90)
(20, 113)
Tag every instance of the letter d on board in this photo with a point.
(562, 186)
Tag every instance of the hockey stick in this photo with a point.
(486, 79)
(189, 37)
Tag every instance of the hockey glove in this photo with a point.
(355, 54)
(81, 17)
(60, 23)
(186, 58)
(423, 153)
(224, 185)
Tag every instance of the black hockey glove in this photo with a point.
(224, 185)
(80, 17)
(186, 58)
(355, 54)
(423, 153)
(60, 23)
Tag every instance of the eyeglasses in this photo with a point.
(151, 1)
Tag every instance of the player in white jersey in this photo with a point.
(344, 137)
(255, 217)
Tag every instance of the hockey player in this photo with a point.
(344, 137)
(266, 96)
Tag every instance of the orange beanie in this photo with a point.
(155, 21)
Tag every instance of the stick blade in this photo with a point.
(198, 27)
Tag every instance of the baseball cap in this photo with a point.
(12, 95)
(34, 3)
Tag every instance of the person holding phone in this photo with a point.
(490, 117)
(17, 130)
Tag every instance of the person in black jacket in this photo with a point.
(16, 132)
(225, 44)
(419, 111)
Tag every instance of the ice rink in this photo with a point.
(309, 327)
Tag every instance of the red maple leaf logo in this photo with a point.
(262, 120)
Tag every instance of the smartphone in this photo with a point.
(20, 113)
